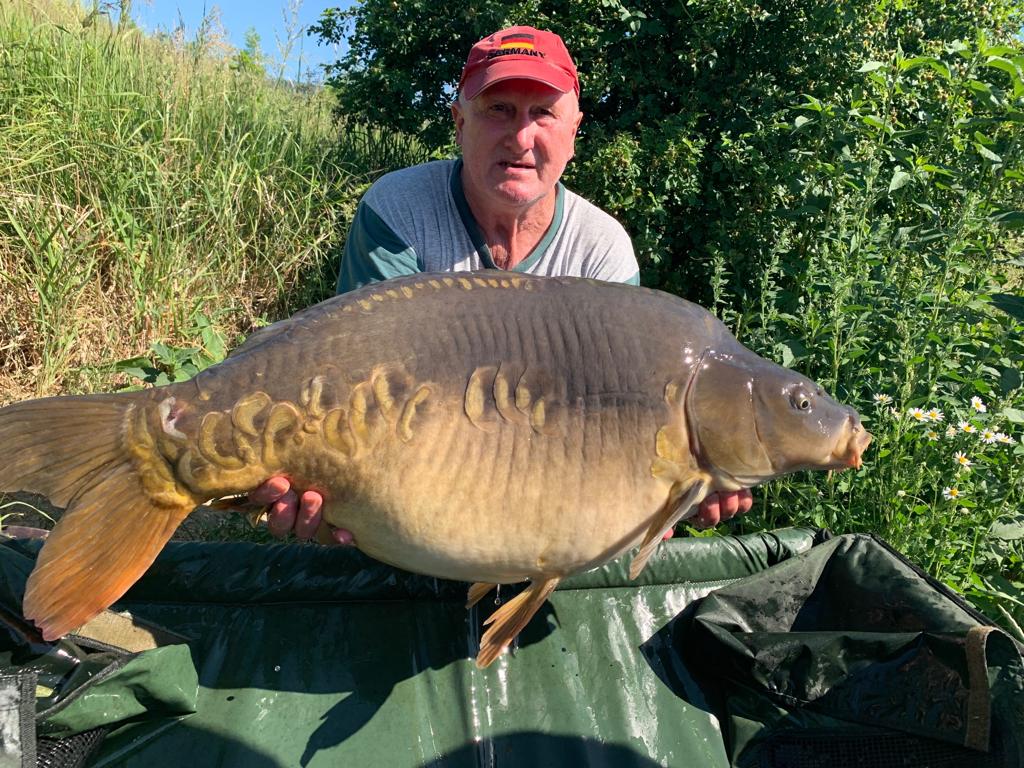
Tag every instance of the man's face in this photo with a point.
(517, 137)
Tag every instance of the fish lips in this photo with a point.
(850, 454)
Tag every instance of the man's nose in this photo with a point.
(521, 133)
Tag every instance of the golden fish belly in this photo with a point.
(505, 504)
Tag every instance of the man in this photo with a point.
(501, 206)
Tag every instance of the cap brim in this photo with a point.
(497, 72)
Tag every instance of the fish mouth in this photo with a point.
(848, 453)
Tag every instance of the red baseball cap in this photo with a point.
(519, 52)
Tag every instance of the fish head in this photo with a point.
(751, 420)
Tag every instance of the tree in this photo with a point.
(682, 99)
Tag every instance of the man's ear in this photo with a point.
(579, 119)
(459, 119)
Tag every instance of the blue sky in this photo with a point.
(237, 16)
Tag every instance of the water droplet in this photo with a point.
(277, 667)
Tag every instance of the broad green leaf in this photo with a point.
(998, 62)
(1014, 415)
(1009, 219)
(925, 61)
(1010, 304)
(987, 153)
(1009, 380)
(131, 363)
(875, 122)
(980, 87)
(138, 372)
(801, 121)
(899, 180)
(871, 66)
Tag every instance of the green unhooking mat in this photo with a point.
(789, 649)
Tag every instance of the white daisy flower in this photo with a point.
(950, 493)
(977, 405)
(988, 435)
(881, 398)
(961, 459)
(950, 431)
(1004, 438)
(967, 427)
(934, 414)
(931, 434)
(917, 414)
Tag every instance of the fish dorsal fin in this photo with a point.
(677, 506)
(509, 620)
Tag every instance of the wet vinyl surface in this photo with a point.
(312, 656)
(300, 666)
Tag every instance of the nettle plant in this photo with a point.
(893, 282)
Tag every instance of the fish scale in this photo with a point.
(488, 427)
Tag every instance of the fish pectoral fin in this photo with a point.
(509, 620)
(254, 513)
(478, 592)
(674, 510)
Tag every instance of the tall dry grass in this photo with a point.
(146, 185)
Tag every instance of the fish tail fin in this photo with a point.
(94, 456)
(509, 620)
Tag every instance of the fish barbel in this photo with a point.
(489, 427)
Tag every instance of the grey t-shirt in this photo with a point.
(417, 220)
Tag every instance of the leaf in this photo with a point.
(801, 121)
(791, 351)
(1013, 415)
(1010, 304)
(1009, 528)
(997, 62)
(876, 122)
(1011, 219)
(871, 66)
(987, 153)
(899, 180)
(1009, 380)
(980, 87)
(925, 61)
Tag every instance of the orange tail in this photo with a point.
(94, 456)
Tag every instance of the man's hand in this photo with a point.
(721, 506)
(290, 513)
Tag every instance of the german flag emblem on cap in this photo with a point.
(518, 40)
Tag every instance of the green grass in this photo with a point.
(146, 186)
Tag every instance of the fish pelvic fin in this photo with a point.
(95, 456)
(509, 620)
(478, 592)
(679, 503)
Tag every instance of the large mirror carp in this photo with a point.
(488, 427)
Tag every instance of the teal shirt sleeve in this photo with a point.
(373, 252)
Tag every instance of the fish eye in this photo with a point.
(800, 401)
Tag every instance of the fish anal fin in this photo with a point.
(510, 619)
(680, 502)
(478, 592)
